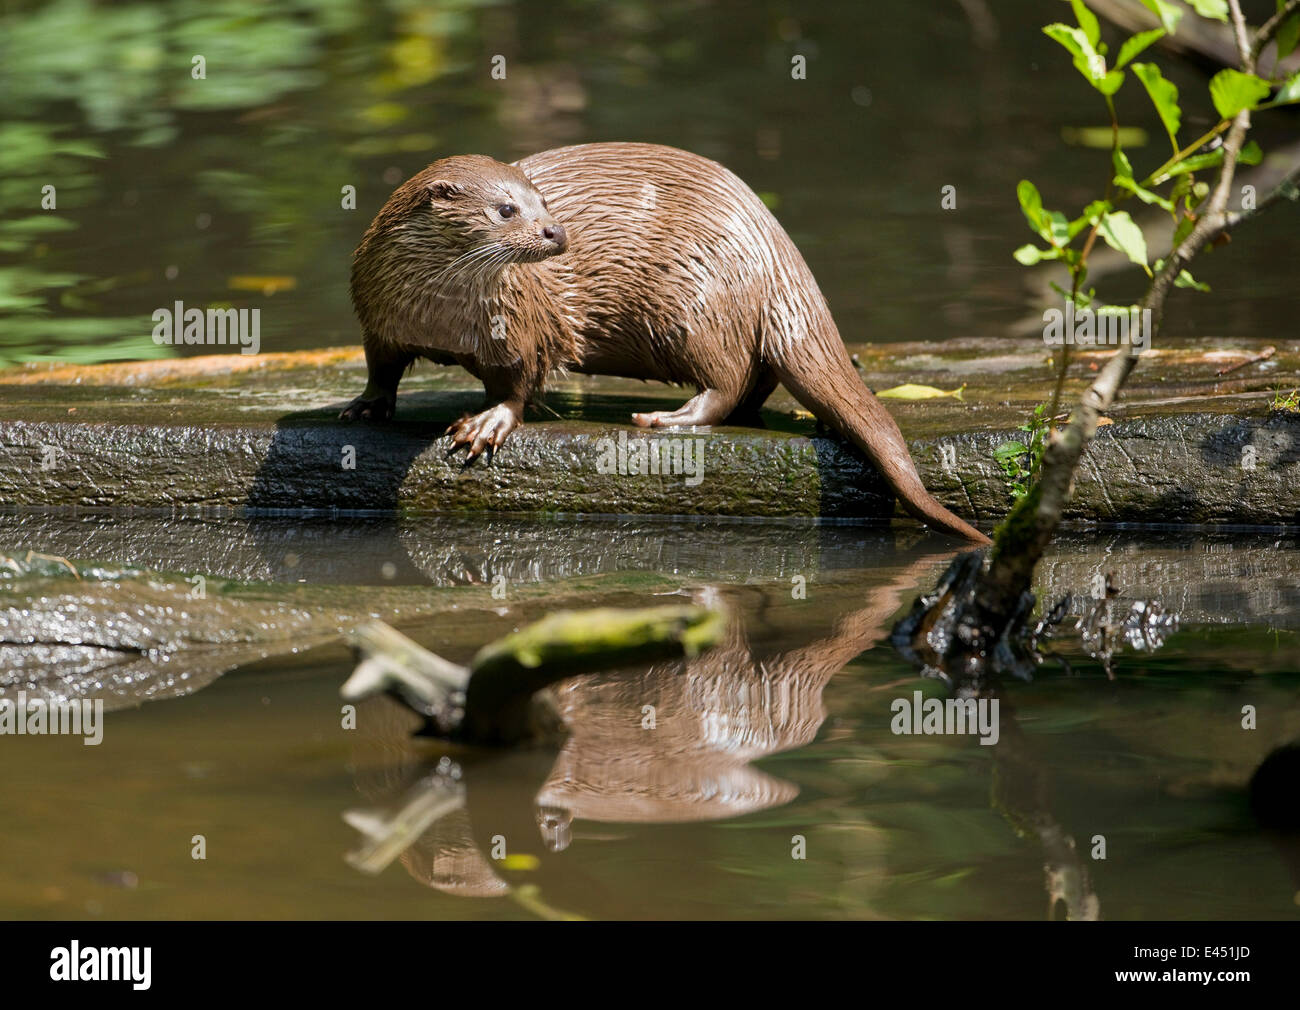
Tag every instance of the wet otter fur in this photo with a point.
(623, 259)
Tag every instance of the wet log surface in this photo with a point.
(233, 433)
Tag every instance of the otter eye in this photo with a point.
(507, 211)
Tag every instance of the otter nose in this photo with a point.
(555, 233)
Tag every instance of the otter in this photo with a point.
(622, 259)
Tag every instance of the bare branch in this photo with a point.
(1239, 35)
(1268, 30)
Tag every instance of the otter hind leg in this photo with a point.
(708, 407)
(747, 411)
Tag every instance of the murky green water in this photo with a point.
(228, 190)
(783, 733)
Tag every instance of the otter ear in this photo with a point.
(442, 189)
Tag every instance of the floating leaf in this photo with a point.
(910, 391)
(1164, 96)
(1122, 235)
(268, 285)
(1234, 91)
(1104, 136)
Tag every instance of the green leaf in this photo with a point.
(1145, 195)
(1250, 155)
(1233, 91)
(1090, 63)
(1008, 452)
(1164, 96)
(1169, 14)
(1124, 179)
(1122, 235)
(1215, 9)
(1031, 203)
(1136, 44)
(1186, 280)
(1290, 90)
(1287, 36)
(1058, 228)
(1086, 219)
(1050, 224)
(1031, 254)
(1087, 21)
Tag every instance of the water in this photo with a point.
(229, 189)
(782, 733)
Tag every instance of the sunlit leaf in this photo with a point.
(911, 391)
(1123, 235)
(1290, 90)
(1090, 63)
(1169, 14)
(1031, 254)
(1124, 179)
(1233, 91)
(1186, 280)
(1088, 217)
(1031, 203)
(1136, 44)
(1087, 21)
(1216, 9)
(1250, 155)
(1164, 96)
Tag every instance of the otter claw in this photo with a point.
(485, 432)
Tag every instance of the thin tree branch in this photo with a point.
(1030, 526)
(1240, 36)
(1268, 30)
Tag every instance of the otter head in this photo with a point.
(486, 211)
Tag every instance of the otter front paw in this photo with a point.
(487, 430)
(364, 408)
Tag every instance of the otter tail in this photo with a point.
(823, 379)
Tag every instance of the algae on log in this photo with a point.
(495, 699)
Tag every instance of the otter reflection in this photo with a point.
(671, 742)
